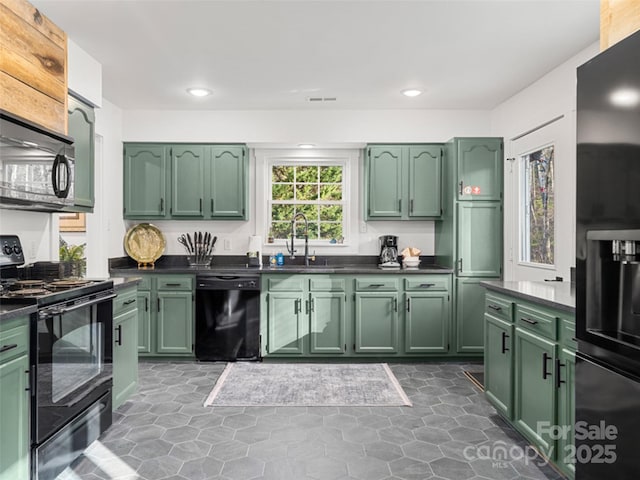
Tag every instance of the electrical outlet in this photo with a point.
(227, 244)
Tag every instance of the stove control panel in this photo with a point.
(11, 250)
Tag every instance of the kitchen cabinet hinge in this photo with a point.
(448, 298)
(354, 297)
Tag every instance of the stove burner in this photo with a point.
(20, 284)
(64, 284)
(27, 292)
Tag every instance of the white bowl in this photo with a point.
(411, 261)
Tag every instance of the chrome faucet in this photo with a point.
(292, 250)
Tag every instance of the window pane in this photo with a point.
(281, 229)
(310, 211)
(282, 212)
(313, 231)
(331, 174)
(306, 192)
(331, 212)
(281, 173)
(307, 174)
(331, 192)
(282, 191)
(537, 244)
(330, 230)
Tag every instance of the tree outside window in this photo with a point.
(317, 191)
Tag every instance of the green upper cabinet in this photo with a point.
(145, 181)
(479, 168)
(384, 181)
(228, 182)
(480, 239)
(82, 128)
(187, 181)
(403, 182)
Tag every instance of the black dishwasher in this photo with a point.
(227, 317)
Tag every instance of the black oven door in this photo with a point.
(73, 367)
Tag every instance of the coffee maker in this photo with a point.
(389, 251)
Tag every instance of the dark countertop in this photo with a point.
(558, 295)
(235, 266)
(120, 283)
(7, 312)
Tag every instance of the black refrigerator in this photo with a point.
(607, 428)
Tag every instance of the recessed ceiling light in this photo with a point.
(199, 92)
(411, 92)
(306, 145)
(625, 97)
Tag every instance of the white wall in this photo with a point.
(551, 96)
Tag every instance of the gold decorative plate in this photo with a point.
(144, 243)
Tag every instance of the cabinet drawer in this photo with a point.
(427, 284)
(14, 342)
(536, 320)
(125, 301)
(145, 283)
(567, 333)
(174, 283)
(327, 284)
(377, 284)
(294, 283)
(499, 307)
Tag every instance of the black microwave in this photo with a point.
(36, 166)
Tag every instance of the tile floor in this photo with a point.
(164, 432)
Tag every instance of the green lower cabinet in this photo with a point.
(14, 399)
(144, 322)
(125, 356)
(498, 364)
(535, 392)
(284, 323)
(426, 323)
(565, 381)
(174, 326)
(469, 315)
(376, 322)
(327, 322)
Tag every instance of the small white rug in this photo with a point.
(307, 384)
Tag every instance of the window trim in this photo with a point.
(306, 159)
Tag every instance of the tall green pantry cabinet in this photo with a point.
(469, 236)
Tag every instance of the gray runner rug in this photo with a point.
(307, 384)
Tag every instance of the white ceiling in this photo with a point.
(275, 54)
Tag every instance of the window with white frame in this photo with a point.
(315, 188)
(537, 240)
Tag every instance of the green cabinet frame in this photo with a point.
(14, 400)
(186, 181)
(403, 182)
(82, 121)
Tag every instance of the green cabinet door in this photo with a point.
(479, 168)
(426, 323)
(174, 325)
(14, 418)
(376, 322)
(479, 239)
(227, 178)
(327, 322)
(125, 356)
(284, 323)
(565, 381)
(534, 393)
(82, 122)
(144, 322)
(187, 181)
(384, 181)
(469, 315)
(498, 364)
(425, 164)
(145, 181)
